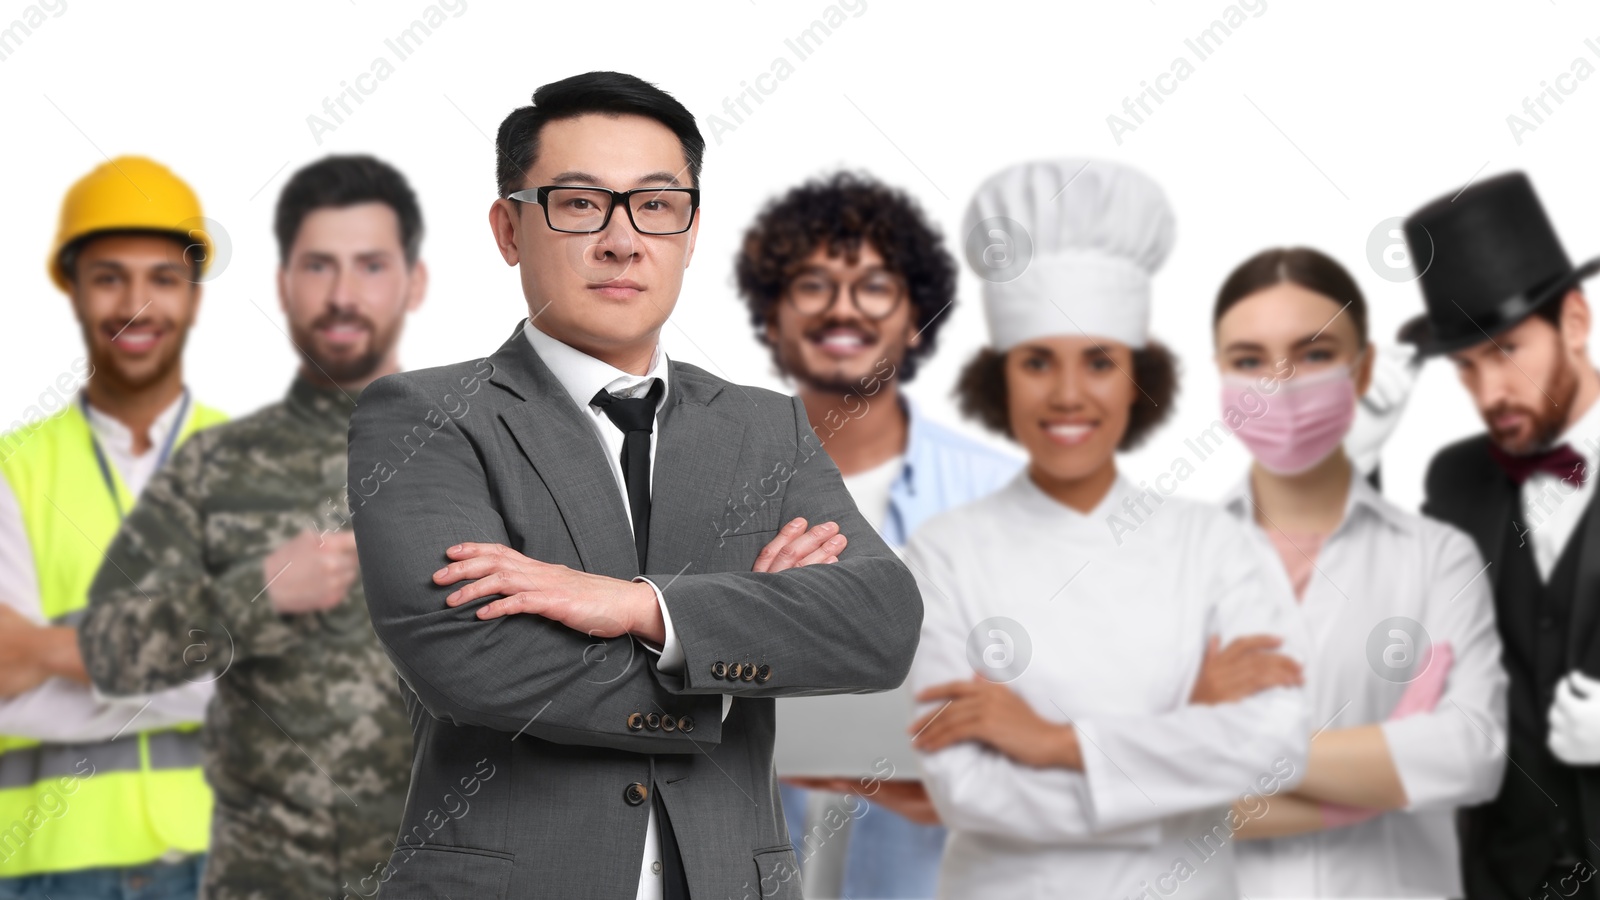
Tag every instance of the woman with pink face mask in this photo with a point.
(1403, 674)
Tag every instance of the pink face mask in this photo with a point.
(1296, 426)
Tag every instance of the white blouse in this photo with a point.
(1105, 618)
(1380, 564)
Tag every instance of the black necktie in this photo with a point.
(636, 418)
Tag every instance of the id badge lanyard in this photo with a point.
(161, 459)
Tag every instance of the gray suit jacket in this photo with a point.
(532, 741)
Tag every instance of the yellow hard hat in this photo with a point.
(130, 193)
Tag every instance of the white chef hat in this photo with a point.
(1067, 246)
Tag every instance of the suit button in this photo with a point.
(763, 674)
(652, 721)
(685, 723)
(635, 721)
(668, 724)
(635, 794)
(749, 672)
(733, 672)
(719, 669)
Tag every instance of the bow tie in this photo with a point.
(1563, 462)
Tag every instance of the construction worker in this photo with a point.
(245, 539)
(131, 251)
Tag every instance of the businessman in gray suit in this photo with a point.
(592, 566)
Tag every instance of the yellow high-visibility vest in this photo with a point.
(123, 802)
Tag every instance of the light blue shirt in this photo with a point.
(889, 856)
(943, 469)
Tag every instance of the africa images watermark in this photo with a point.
(1202, 46)
(433, 821)
(1251, 404)
(834, 818)
(767, 489)
(338, 510)
(801, 47)
(1541, 504)
(56, 396)
(1250, 806)
(1537, 108)
(31, 19)
(402, 46)
(51, 806)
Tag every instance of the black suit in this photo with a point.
(1546, 819)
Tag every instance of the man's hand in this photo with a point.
(796, 548)
(1394, 373)
(904, 796)
(1245, 667)
(990, 713)
(312, 572)
(30, 654)
(1575, 720)
(20, 667)
(598, 605)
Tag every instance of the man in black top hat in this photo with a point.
(1504, 304)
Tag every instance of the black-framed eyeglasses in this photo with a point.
(876, 295)
(586, 210)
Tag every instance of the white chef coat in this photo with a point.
(1552, 508)
(1381, 562)
(1118, 623)
(61, 710)
(583, 376)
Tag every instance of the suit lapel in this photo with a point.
(697, 450)
(1490, 530)
(569, 458)
(1487, 504)
(1586, 593)
(1498, 505)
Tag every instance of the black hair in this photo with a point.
(67, 259)
(607, 93)
(982, 395)
(346, 181)
(840, 213)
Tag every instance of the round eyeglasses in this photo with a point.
(875, 295)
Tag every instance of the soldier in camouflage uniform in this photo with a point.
(238, 566)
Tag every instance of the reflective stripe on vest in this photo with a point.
(113, 803)
(24, 766)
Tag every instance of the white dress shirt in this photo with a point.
(583, 376)
(1379, 563)
(1551, 507)
(1111, 623)
(61, 710)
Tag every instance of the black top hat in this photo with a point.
(1488, 259)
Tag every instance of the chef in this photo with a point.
(1069, 744)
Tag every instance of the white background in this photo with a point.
(1310, 124)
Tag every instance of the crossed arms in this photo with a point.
(556, 658)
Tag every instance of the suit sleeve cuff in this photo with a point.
(670, 653)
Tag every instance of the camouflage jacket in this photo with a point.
(307, 743)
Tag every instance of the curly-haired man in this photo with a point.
(848, 283)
